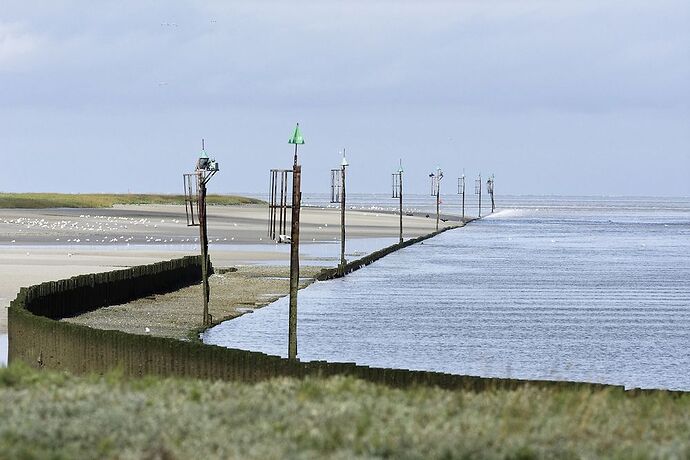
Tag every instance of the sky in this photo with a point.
(552, 97)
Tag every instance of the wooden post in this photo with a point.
(342, 223)
(203, 236)
(294, 259)
(480, 195)
(271, 205)
(463, 197)
(438, 201)
(401, 206)
(491, 191)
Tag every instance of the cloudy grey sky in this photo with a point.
(553, 97)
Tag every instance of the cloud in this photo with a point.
(497, 54)
(528, 80)
(16, 45)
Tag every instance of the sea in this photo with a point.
(593, 289)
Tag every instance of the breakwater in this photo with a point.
(38, 339)
(350, 267)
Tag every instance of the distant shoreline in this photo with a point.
(107, 200)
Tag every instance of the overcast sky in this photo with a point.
(553, 97)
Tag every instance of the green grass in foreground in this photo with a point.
(51, 415)
(98, 200)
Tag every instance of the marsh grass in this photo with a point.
(50, 415)
(98, 200)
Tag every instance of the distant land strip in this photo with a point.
(106, 200)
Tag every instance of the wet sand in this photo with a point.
(49, 244)
(178, 314)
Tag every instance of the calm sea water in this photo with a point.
(585, 289)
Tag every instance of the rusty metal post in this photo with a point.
(203, 237)
(294, 258)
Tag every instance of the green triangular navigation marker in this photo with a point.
(296, 137)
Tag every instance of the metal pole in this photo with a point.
(294, 258)
(401, 206)
(203, 235)
(342, 224)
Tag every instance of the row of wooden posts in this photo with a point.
(436, 191)
(280, 202)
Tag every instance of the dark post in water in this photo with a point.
(294, 245)
(478, 191)
(490, 189)
(338, 196)
(195, 193)
(398, 193)
(436, 191)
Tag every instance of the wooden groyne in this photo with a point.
(38, 339)
(331, 273)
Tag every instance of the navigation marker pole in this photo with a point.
(296, 139)
(344, 164)
(338, 196)
(490, 189)
(436, 191)
(195, 193)
(398, 193)
(478, 191)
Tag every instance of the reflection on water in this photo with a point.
(590, 291)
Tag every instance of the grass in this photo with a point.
(98, 200)
(52, 415)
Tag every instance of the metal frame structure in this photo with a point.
(278, 204)
(336, 184)
(191, 198)
(461, 191)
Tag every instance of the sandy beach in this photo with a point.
(49, 244)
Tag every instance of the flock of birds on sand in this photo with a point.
(107, 230)
(102, 230)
